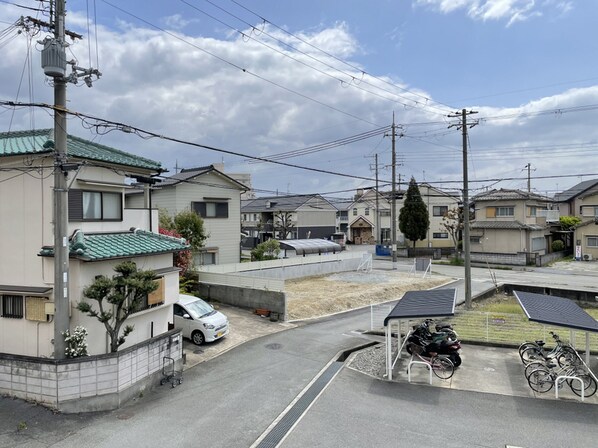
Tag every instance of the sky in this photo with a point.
(314, 86)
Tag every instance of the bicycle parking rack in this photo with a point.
(567, 377)
(421, 363)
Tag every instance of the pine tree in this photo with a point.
(414, 220)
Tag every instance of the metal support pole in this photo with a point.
(466, 249)
(61, 246)
(393, 207)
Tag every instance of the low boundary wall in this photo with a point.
(91, 383)
(260, 285)
(518, 259)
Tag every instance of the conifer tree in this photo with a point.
(414, 220)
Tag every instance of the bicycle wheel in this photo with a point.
(532, 354)
(589, 385)
(526, 345)
(540, 380)
(443, 368)
(567, 356)
(533, 366)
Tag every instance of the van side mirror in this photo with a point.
(186, 316)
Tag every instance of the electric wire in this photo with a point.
(238, 67)
(352, 79)
(426, 99)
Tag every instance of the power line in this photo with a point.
(353, 80)
(426, 99)
(238, 67)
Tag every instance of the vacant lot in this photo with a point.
(319, 296)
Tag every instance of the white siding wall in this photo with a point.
(225, 234)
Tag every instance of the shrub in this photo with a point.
(557, 245)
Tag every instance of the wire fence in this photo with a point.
(496, 328)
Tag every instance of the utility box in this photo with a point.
(54, 59)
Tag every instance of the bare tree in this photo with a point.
(283, 224)
(452, 222)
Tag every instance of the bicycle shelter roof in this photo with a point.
(555, 310)
(415, 304)
(311, 246)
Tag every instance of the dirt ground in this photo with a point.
(322, 295)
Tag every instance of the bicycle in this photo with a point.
(537, 344)
(441, 365)
(563, 353)
(542, 380)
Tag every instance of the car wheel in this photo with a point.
(197, 337)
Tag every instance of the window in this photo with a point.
(384, 212)
(439, 210)
(532, 211)
(205, 258)
(592, 241)
(505, 211)
(367, 211)
(538, 243)
(385, 234)
(440, 236)
(589, 210)
(94, 206)
(12, 306)
(255, 217)
(475, 239)
(211, 209)
(354, 212)
(153, 299)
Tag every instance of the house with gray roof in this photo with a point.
(581, 201)
(214, 196)
(509, 221)
(102, 232)
(288, 217)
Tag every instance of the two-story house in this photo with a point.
(215, 196)
(581, 201)
(102, 232)
(370, 216)
(301, 216)
(509, 222)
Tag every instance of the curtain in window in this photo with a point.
(92, 205)
(112, 205)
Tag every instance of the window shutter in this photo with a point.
(35, 309)
(490, 212)
(222, 210)
(158, 295)
(75, 205)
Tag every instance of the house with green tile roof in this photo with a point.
(102, 231)
(212, 194)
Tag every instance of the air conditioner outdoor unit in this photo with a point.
(587, 257)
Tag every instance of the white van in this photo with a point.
(198, 320)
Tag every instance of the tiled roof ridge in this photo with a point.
(157, 235)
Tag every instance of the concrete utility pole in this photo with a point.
(529, 177)
(393, 207)
(466, 242)
(61, 247)
(377, 217)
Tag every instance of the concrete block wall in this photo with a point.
(518, 259)
(92, 383)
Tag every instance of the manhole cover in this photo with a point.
(274, 346)
(198, 351)
(124, 416)
(489, 369)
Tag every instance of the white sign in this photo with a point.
(578, 253)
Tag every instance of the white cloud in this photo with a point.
(511, 11)
(156, 82)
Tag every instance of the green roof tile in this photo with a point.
(104, 246)
(38, 142)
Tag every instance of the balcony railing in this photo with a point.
(550, 215)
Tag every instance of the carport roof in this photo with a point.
(555, 310)
(311, 246)
(434, 303)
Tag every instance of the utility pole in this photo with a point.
(393, 206)
(529, 177)
(54, 63)
(61, 246)
(466, 243)
(377, 217)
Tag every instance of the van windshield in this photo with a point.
(199, 308)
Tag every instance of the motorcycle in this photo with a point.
(440, 342)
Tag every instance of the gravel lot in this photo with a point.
(323, 295)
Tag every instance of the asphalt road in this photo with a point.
(231, 400)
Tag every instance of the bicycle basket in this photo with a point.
(415, 349)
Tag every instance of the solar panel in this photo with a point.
(415, 304)
(555, 310)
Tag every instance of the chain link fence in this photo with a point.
(495, 328)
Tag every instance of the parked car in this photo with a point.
(198, 320)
